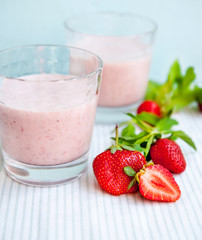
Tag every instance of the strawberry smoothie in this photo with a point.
(124, 82)
(126, 68)
(46, 124)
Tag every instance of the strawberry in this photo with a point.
(157, 183)
(109, 166)
(167, 153)
(200, 106)
(149, 106)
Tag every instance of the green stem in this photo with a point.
(117, 136)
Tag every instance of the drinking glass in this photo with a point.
(124, 41)
(48, 99)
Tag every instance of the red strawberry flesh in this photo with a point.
(109, 170)
(158, 184)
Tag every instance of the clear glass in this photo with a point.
(48, 99)
(124, 42)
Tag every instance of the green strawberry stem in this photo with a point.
(116, 147)
(119, 145)
(117, 136)
(129, 171)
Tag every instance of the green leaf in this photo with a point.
(127, 139)
(152, 90)
(143, 139)
(166, 124)
(172, 137)
(143, 125)
(149, 143)
(129, 171)
(131, 183)
(134, 147)
(149, 118)
(182, 135)
(132, 139)
(174, 73)
(128, 131)
(182, 100)
(188, 78)
(115, 148)
(140, 135)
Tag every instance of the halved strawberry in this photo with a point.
(157, 183)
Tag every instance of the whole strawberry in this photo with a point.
(200, 106)
(155, 183)
(149, 106)
(109, 166)
(167, 153)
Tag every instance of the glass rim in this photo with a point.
(80, 15)
(98, 69)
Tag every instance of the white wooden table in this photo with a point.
(81, 210)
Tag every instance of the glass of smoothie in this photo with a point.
(124, 42)
(48, 99)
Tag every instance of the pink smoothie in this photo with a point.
(49, 130)
(126, 68)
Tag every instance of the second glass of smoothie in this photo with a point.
(124, 41)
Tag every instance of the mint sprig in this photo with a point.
(177, 92)
(160, 128)
(122, 142)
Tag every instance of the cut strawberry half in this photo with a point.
(157, 183)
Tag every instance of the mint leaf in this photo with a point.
(149, 143)
(143, 139)
(182, 135)
(127, 139)
(188, 78)
(182, 100)
(166, 124)
(140, 135)
(132, 139)
(128, 131)
(174, 73)
(129, 171)
(143, 125)
(149, 118)
(152, 90)
(133, 147)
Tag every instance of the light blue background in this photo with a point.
(41, 21)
